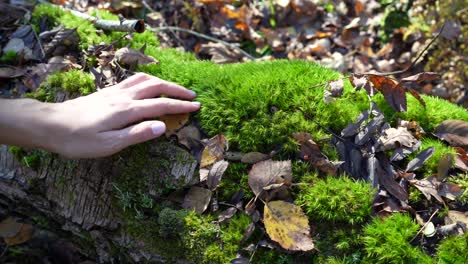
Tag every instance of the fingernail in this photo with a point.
(197, 104)
(158, 128)
(193, 93)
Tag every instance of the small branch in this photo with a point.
(113, 25)
(424, 226)
(414, 61)
(200, 35)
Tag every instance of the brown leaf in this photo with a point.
(336, 87)
(422, 157)
(215, 174)
(445, 163)
(9, 227)
(227, 214)
(422, 76)
(449, 190)
(455, 132)
(254, 157)
(23, 235)
(396, 137)
(393, 92)
(287, 224)
(388, 182)
(428, 187)
(311, 153)
(269, 172)
(11, 72)
(416, 95)
(197, 199)
(127, 56)
(214, 150)
(461, 159)
(187, 135)
(220, 53)
(174, 122)
(456, 216)
(362, 82)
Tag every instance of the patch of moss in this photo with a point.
(337, 200)
(28, 158)
(436, 111)
(74, 82)
(231, 235)
(8, 57)
(386, 240)
(453, 250)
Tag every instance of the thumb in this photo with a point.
(138, 133)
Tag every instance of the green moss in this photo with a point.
(338, 200)
(28, 158)
(74, 82)
(8, 57)
(231, 235)
(171, 222)
(453, 250)
(272, 256)
(386, 240)
(436, 111)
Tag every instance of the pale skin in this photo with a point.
(96, 125)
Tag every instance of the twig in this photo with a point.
(147, 6)
(132, 25)
(200, 35)
(414, 61)
(424, 226)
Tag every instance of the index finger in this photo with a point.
(152, 88)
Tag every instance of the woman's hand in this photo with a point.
(96, 125)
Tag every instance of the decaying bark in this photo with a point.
(78, 193)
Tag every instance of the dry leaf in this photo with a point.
(9, 227)
(393, 93)
(428, 187)
(187, 135)
(214, 150)
(11, 72)
(445, 163)
(449, 190)
(227, 214)
(461, 159)
(269, 172)
(456, 216)
(396, 137)
(287, 224)
(197, 199)
(422, 157)
(24, 235)
(215, 174)
(422, 76)
(362, 82)
(455, 132)
(174, 122)
(127, 56)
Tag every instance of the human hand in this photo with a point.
(111, 119)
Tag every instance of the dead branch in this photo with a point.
(133, 25)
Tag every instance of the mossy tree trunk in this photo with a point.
(80, 195)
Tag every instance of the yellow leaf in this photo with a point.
(287, 224)
(24, 235)
(174, 122)
(214, 150)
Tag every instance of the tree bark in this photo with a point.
(78, 193)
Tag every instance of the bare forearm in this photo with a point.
(23, 122)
